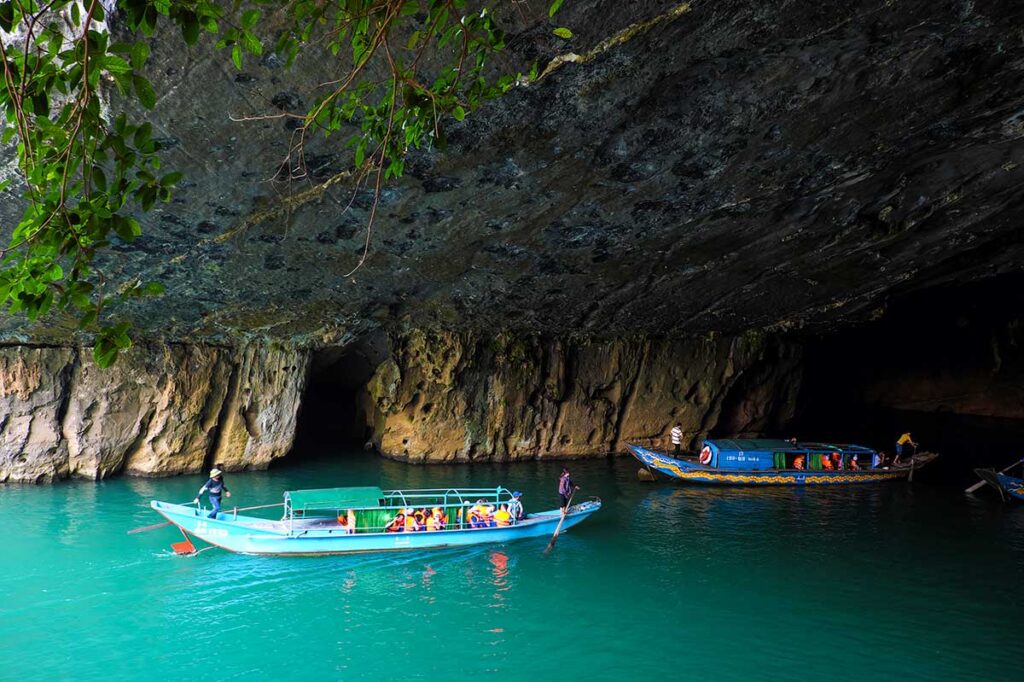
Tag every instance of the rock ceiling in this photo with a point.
(725, 166)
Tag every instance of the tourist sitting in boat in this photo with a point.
(412, 523)
(479, 515)
(347, 521)
(854, 465)
(397, 524)
(437, 520)
(798, 462)
(503, 517)
(515, 507)
(837, 461)
(826, 463)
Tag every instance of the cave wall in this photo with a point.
(162, 409)
(434, 396)
(463, 397)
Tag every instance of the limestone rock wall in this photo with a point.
(162, 409)
(33, 399)
(457, 397)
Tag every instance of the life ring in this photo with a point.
(705, 455)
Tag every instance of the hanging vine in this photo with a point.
(86, 175)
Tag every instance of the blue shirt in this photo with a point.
(214, 487)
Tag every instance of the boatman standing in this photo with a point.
(566, 488)
(215, 487)
(905, 439)
(677, 436)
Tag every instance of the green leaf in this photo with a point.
(189, 27)
(236, 56)
(459, 113)
(104, 353)
(360, 153)
(7, 15)
(140, 53)
(144, 91)
(252, 44)
(250, 18)
(563, 32)
(88, 319)
(114, 64)
(555, 6)
(170, 179)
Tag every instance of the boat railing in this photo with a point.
(456, 502)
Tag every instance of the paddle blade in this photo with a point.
(183, 547)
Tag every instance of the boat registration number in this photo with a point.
(202, 528)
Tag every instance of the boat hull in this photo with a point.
(250, 535)
(1006, 485)
(683, 470)
(1013, 486)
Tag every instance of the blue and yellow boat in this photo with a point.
(778, 462)
(1006, 485)
(352, 520)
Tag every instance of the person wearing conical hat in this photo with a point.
(215, 487)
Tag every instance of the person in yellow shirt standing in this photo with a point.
(905, 439)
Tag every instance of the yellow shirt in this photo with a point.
(904, 439)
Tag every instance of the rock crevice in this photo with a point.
(162, 409)
(444, 397)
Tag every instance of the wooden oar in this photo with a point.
(153, 527)
(561, 521)
(909, 478)
(980, 484)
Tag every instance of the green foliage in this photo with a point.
(436, 54)
(87, 174)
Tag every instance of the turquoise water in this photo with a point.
(888, 581)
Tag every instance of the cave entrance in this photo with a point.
(946, 364)
(331, 419)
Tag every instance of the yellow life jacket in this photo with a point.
(503, 518)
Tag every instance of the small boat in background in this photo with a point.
(351, 520)
(778, 462)
(1006, 485)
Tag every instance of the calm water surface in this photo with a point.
(888, 581)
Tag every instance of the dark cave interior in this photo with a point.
(945, 364)
(331, 419)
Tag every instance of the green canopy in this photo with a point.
(334, 498)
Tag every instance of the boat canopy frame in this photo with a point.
(337, 500)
